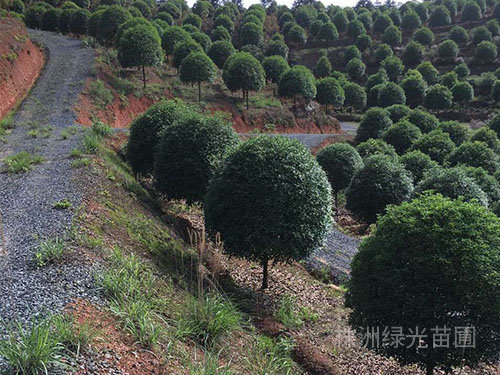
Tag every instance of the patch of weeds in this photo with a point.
(7, 122)
(123, 86)
(72, 335)
(80, 163)
(62, 204)
(76, 153)
(65, 134)
(22, 162)
(209, 320)
(308, 315)
(34, 133)
(102, 129)
(100, 94)
(268, 357)
(91, 142)
(49, 251)
(73, 129)
(286, 313)
(209, 366)
(31, 351)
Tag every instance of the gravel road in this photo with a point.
(26, 199)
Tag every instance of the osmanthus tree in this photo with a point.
(110, 21)
(243, 72)
(270, 201)
(275, 66)
(298, 80)
(430, 265)
(340, 161)
(172, 36)
(197, 67)
(220, 51)
(140, 46)
(329, 91)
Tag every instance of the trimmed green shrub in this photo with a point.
(437, 144)
(220, 51)
(351, 52)
(429, 73)
(391, 93)
(382, 52)
(413, 53)
(110, 21)
(329, 91)
(462, 92)
(459, 133)
(355, 68)
(394, 67)
(374, 122)
(364, 42)
(448, 51)
(486, 52)
(417, 163)
(438, 97)
(449, 79)
(471, 12)
(392, 36)
(425, 121)
(462, 70)
(480, 34)
(401, 135)
(398, 111)
(355, 28)
(440, 16)
(323, 68)
(197, 67)
(474, 154)
(424, 36)
(182, 50)
(488, 136)
(355, 95)
(459, 35)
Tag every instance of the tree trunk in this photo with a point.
(247, 101)
(336, 199)
(199, 91)
(274, 90)
(294, 103)
(144, 76)
(265, 262)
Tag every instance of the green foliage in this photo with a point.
(425, 121)
(413, 253)
(282, 212)
(436, 144)
(471, 12)
(475, 154)
(374, 122)
(110, 21)
(287, 313)
(328, 32)
(463, 92)
(351, 52)
(355, 68)
(449, 79)
(323, 68)
(49, 251)
(341, 21)
(424, 36)
(128, 24)
(410, 22)
(459, 35)
(100, 94)
(481, 33)
(182, 50)
(414, 88)
(93, 23)
(382, 52)
(34, 16)
(220, 51)
(376, 79)
(188, 154)
(392, 36)
(398, 111)
(440, 16)
(495, 91)
(401, 135)
(339, 161)
(22, 162)
(459, 133)
(486, 52)
(278, 48)
(355, 95)
(413, 53)
(275, 66)
(417, 163)
(448, 51)
(296, 34)
(375, 146)
(50, 20)
(355, 28)
(244, 72)
(429, 72)
(393, 66)
(364, 42)
(164, 16)
(438, 97)
(462, 71)
(382, 181)
(197, 67)
(382, 22)
(65, 19)
(486, 182)
(329, 91)
(298, 81)
(251, 33)
(210, 320)
(391, 93)
(173, 36)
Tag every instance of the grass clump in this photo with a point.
(31, 351)
(100, 94)
(22, 162)
(209, 366)
(93, 137)
(72, 335)
(79, 163)
(62, 204)
(268, 357)
(287, 314)
(210, 319)
(49, 251)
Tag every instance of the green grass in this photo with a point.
(80, 163)
(209, 366)
(91, 142)
(101, 129)
(270, 357)
(74, 336)
(7, 122)
(31, 351)
(49, 251)
(287, 314)
(22, 162)
(209, 320)
(100, 94)
(62, 204)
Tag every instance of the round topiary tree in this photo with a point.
(382, 22)
(110, 21)
(486, 182)
(438, 97)
(382, 52)
(424, 36)
(355, 68)
(173, 36)
(459, 35)
(297, 81)
(78, 22)
(243, 72)
(414, 88)
(225, 21)
(392, 36)
(429, 72)
(452, 183)
(189, 153)
(462, 71)
(410, 22)
(397, 271)
(401, 135)
(413, 53)
(488, 136)
(398, 111)
(425, 121)
(393, 66)
(140, 46)
(220, 33)
(448, 51)
(475, 154)
(341, 21)
(145, 130)
(50, 20)
(463, 92)
(329, 91)
(382, 181)
(355, 95)
(355, 29)
(128, 24)
(480, 34)
(440, 16)
(437, 144)
(65, 18)
(459, 133)
(251, 33)
(417, 163)
(471, 12)
(197, 67)
(364, 42)
(277, 48)
(340, 161)
(328, 33)
(374, 122)
(275, 67)
(449, 79)
(296, 35)
(376, 146)
(377, 79)
(182, 50)
(486, 52)
(351, 52)
(281, 213)
(391, 93)
(220, 51)
(323, 67)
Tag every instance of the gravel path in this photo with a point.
(26, 199)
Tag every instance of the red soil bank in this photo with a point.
(20, 63)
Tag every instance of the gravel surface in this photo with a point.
(26, 199)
